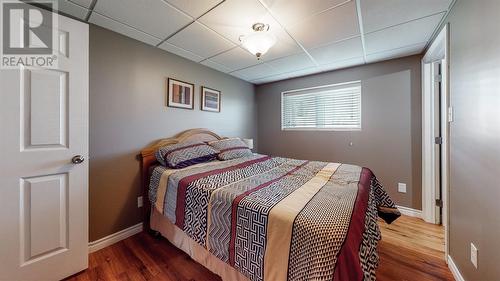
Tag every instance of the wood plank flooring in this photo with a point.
(410, 250)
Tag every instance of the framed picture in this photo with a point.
(210, 99)
(180, 94)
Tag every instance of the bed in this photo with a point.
(268, 218)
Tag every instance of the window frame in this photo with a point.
(318, 88)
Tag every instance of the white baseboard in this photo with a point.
(410, 212)
(454, 270)
(115, 237)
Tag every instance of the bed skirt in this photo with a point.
(185, 243)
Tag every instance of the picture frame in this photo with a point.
(180, 94)
(210, 99)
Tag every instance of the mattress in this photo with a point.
(273, 218)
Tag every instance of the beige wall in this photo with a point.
(127, 112)
(475, 137)
(390, 140)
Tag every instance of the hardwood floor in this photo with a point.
(410, 250)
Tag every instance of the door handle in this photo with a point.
(77, 159)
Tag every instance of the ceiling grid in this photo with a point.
(313, 36)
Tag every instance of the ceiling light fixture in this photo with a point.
(259, 42)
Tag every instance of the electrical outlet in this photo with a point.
(402, 187)
(473, 254)
(139, 202)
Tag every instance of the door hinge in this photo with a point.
(438, 78)
(438, 140)
(450, 114)
(439, 203)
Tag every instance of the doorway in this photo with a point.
(436, 115)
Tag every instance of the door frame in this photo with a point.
(437, 52)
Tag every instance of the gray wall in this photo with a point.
(475, 137)
(390, 140)
(127, 112)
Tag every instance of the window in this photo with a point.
(331, 107)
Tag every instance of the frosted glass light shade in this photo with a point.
(259, 42)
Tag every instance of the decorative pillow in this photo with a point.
(185, 154)
(231, 149)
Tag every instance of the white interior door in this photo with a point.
(438, 140)
(44, 195)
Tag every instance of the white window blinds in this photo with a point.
(332, 107)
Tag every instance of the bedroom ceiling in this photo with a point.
(313, 35)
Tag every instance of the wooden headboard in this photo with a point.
(148, 159)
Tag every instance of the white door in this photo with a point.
(438, 140)
(43, 194)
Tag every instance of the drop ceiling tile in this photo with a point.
(331, 26)
(240, 76)
(111, 24)
(414, 32)
(291, 63)
(283, 76)
(155, 17)
(200, 40)
(255, 72)
(378, 14)
(235, 18)
(71, 9)
(284, 46)
(289, 12)
(343, 50)
(180, 52)
(236, 58)
(307, 71)
(83, 3)
(216, 66)
(265, 80)
(269, 79)
(396, 53)
(343, 64)
(194, 8)
(311, 70)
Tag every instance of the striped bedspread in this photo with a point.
(275, 218)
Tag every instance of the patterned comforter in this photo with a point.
(275, 218)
